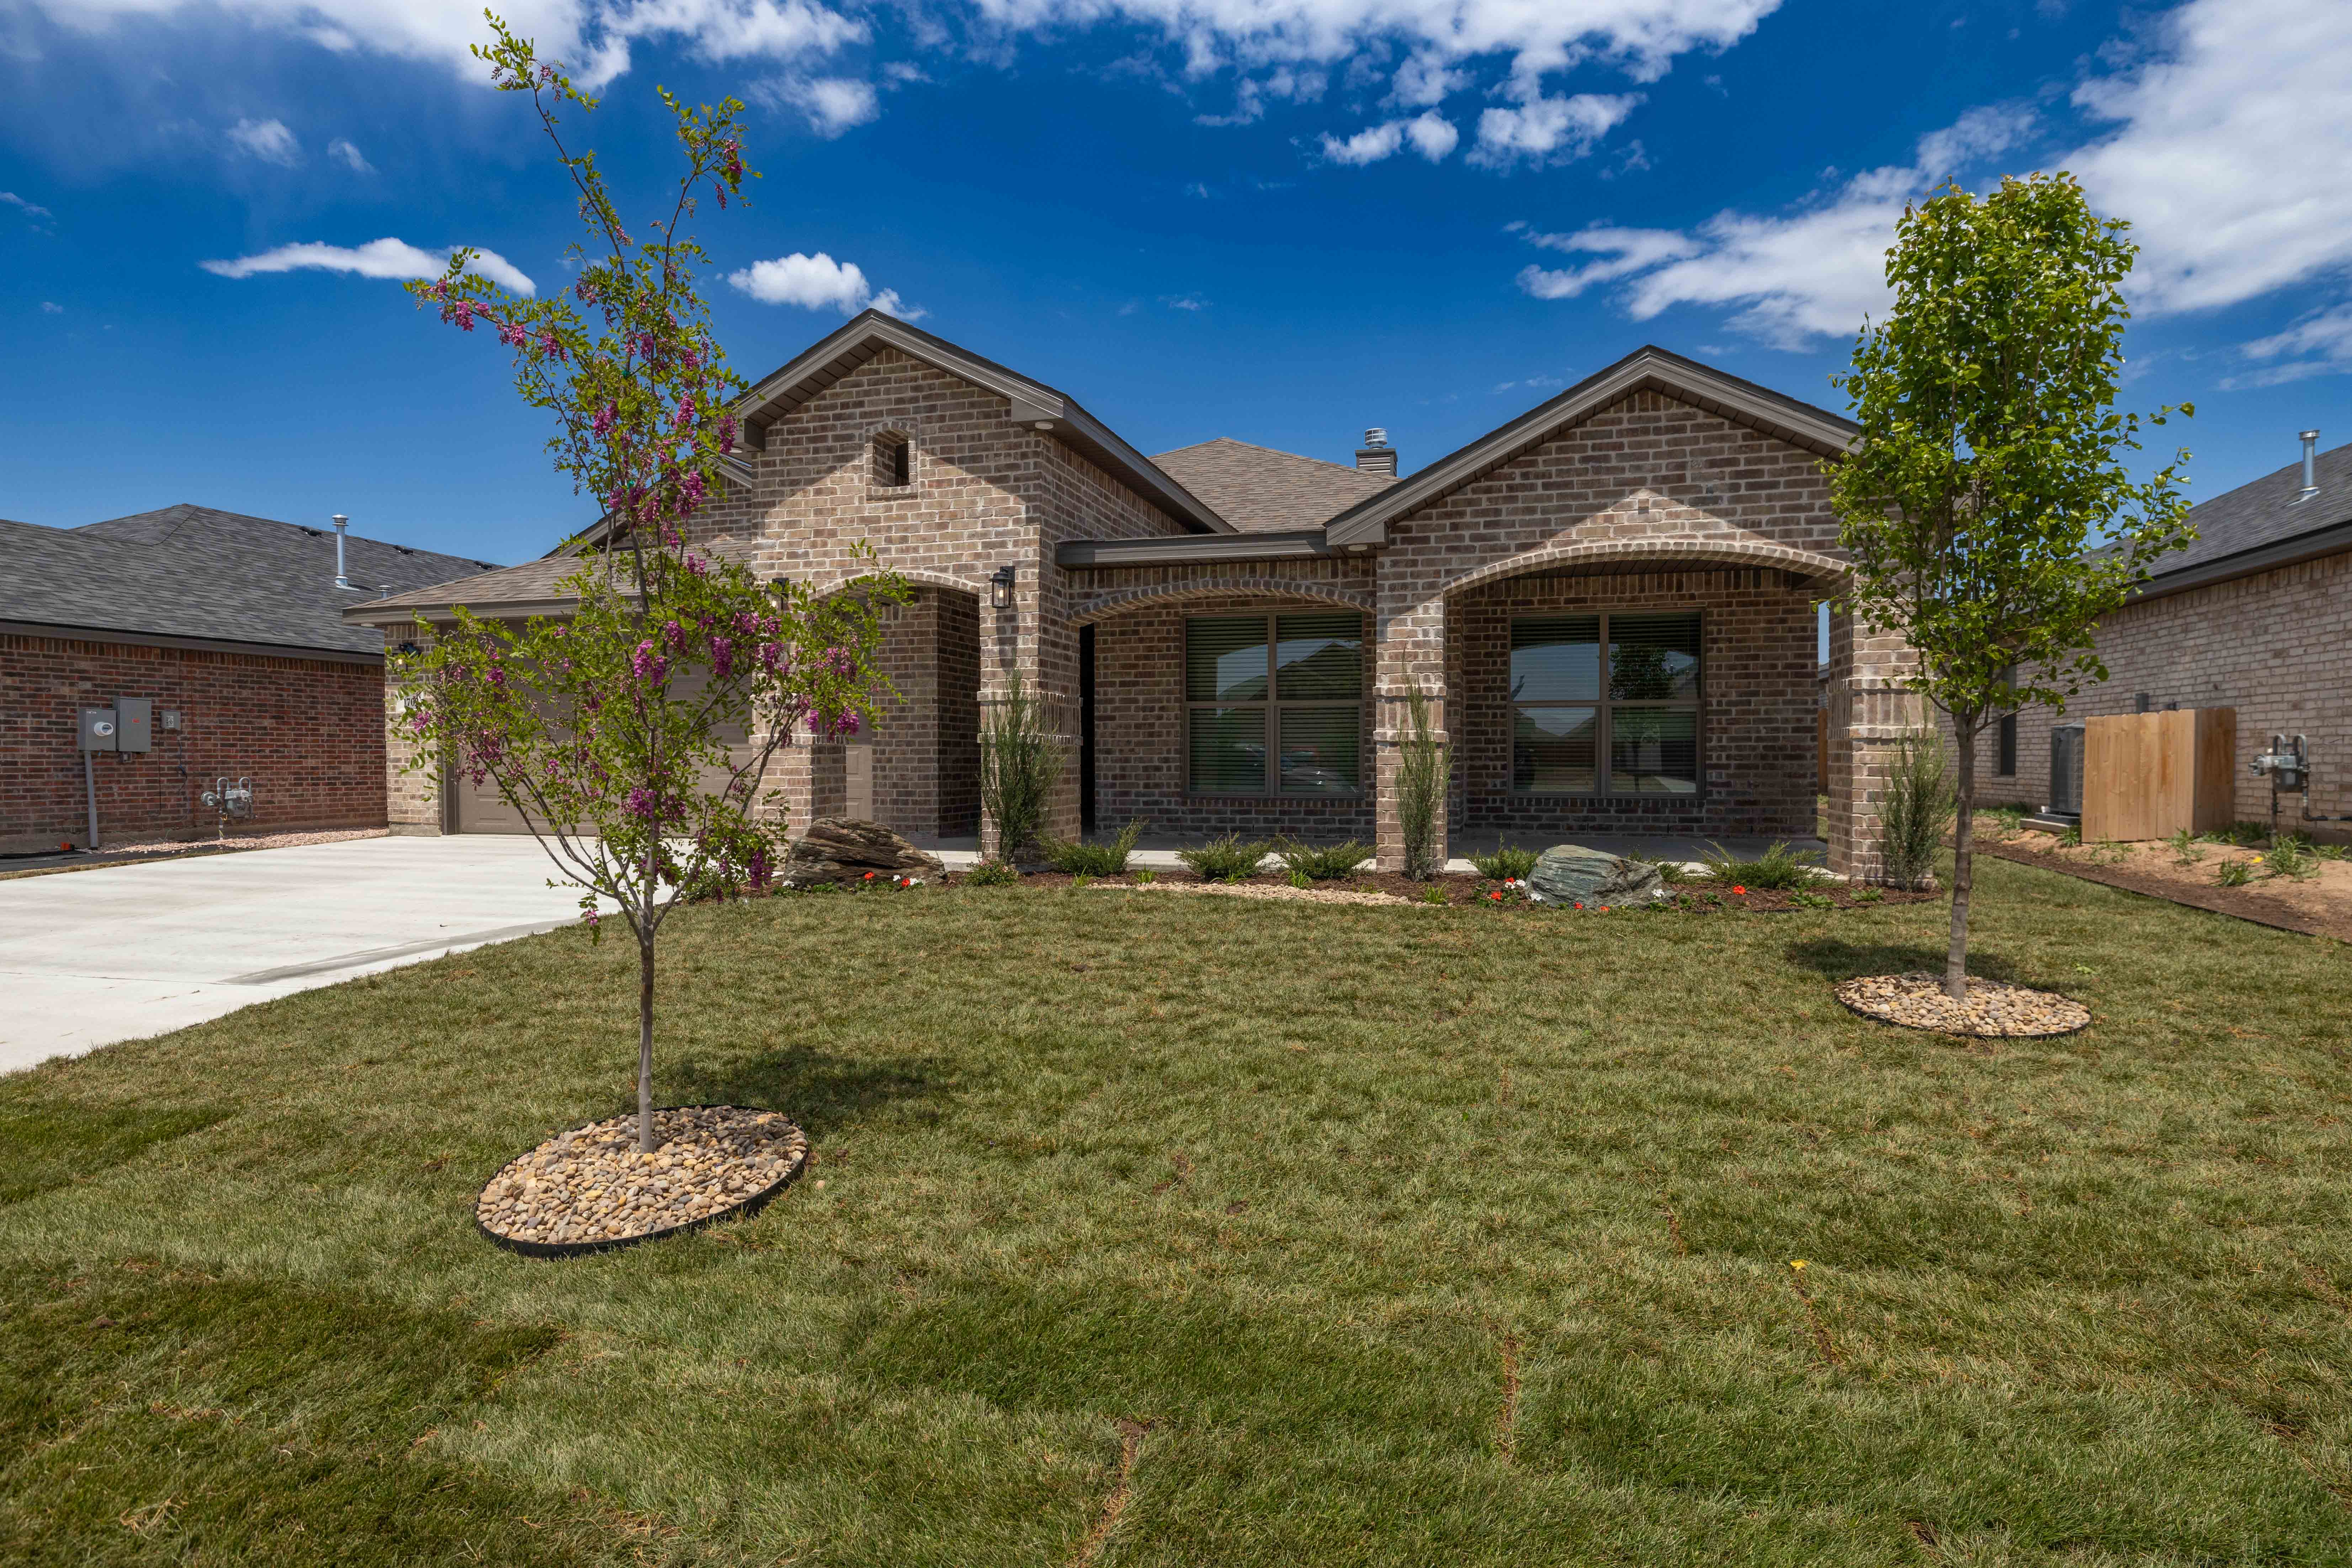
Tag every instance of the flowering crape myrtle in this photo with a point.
(635, 733)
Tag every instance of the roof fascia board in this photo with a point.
(196, 645)
(495, 610)
(1298, 545)
(1367, 521)
(2331, 540)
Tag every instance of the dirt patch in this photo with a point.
(2317, 905)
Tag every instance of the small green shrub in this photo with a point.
(992, 874)
(1146, 877)
(1813, 900)
(1422, 767)
(2244, 835)
(2234, 873)
(1506, 864)
(1075, 858)
(1778, 868)
(1433, 894)
(1322, 865)
(2071, 836)
(2108, 852)
(1226, 859)
(2329, 851)
(1915, 814)
(1020, 765)
(2289, 856)
(1869, 895)
(1301, 879)
(2185, 851)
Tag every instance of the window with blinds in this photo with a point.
(1274, 704)
(1605, 704)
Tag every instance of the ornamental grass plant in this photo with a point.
(1228, 859)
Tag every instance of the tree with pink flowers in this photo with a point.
(636, 734)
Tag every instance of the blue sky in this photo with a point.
(1280, 220)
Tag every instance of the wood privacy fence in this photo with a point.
(2149, 775)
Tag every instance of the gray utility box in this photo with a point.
(98, 728)
(2066, 770)
(134, 723)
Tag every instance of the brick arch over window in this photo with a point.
(1665, 553)
(1086, 609)
(916, 576)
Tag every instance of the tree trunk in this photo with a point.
(646, 1043)
(1956, 960)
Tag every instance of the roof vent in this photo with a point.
(342, 581)
(1376, 455)
(2310, 469)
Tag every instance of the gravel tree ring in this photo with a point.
(587, 1189)
(1994, 1010)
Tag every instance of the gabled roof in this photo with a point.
(510, 591)
(1259, 490)
(1034, 404)
(1646, 368)
(2263, 524)
(194, 573)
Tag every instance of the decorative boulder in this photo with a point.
(843, 849)
(1570, 874)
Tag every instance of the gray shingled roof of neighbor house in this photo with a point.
(512, 592)
(194, 572)
(2266, 512)
(1261, 490)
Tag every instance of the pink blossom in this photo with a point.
(648, 664)
(726, 434)
(674, 634)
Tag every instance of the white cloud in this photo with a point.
(819, 282)
(1431, 134)
(21, 204)
(2226, 137)
(1628, 250)
(2327, 333)
(1550, 130)
(268, 140)
(377, 259)
(51, 307)
(1425, 80)
(350, 157)
(833, 104)
(1184, 301)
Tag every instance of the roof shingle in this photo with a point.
(2266, 512)
(1261, 490)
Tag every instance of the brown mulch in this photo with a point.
(1995, 1009)
(590, 1185)
(2248, 903)
(1702, 898)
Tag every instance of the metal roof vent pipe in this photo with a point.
(2310, 467)
(342, 579)
(1376, 455)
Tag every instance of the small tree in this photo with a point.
(1423, 768)
(1020, 765)
(1986, 512)
(634, 735)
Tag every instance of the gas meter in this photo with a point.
(2288, 765)
(230, 798)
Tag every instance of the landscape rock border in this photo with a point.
(792, 1161)
(1996, 1010)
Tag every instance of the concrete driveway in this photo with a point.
(121, 952)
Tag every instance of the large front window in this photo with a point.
(1274, 704)
(1605, 704)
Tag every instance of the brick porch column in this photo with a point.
(1870, 713)
(1035, 640)
(1410, 657)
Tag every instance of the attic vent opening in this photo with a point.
(894, 460)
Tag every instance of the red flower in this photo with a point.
(1496, 897)
(1604, 908)
(869, 876)
(1580, 906)
(1738, 889)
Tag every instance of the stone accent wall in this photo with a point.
(2271, 645)
(309, 732)
(1141, 753)
(1756, 713)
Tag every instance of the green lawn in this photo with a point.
(1403, 1236)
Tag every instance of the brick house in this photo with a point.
(231, 626)
(1607, 603)
(2256, 616)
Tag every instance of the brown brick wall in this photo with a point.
(1756, 715)
(309, 732)
(926, 735)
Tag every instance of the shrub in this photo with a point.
(2184, 848)
(1868, 895)
(2071, 836)
(1226, 859)
(2234, 873)
(1505, 864)
(1146, 877)
(1078, 859)
(1813, 900)
(2244, 835)
(1020, 764)
(1778, 868)
(1422, 768)
(992, 874)
(1323, 865)
(2288, 857)
(1301, 879)
(1672, 872)
(1918, 810)
(1433, 894)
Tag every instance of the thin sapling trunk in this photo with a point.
(1956, 958)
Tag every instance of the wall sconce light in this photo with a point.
(1000, 587)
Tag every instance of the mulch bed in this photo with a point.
(589, 1189)
(1995, 1009)
(2245, 903)
(1705, 898)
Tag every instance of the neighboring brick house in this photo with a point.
(2256, 616)
(232, 627)
(1607, 603)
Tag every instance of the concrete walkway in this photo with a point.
(87, 958)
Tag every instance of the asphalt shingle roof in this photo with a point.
(1261, 490)
(532, 583)
(2266, 512)
(192, 572)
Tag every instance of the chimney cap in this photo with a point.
(1376, 437)
(2308, 436)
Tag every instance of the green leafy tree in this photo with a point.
(1987, 512)
(635, 733)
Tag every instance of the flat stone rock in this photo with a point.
(843, 849)
(1571, 874)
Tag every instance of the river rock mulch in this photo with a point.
(1462, 887)
(589, 1187)
(1995, 1009)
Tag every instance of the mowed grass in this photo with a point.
(1181, 1231)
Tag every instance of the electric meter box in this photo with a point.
(134, 723)
(98, 728)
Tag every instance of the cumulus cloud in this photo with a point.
(817, 283)
(1550, 130)
(2200, 134)
(377, 259)
(268, 140)
(350, 157)
(833, 104)
(1431, 134)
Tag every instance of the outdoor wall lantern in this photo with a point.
(1000, 588)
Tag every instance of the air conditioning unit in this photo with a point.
(2065, 770)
